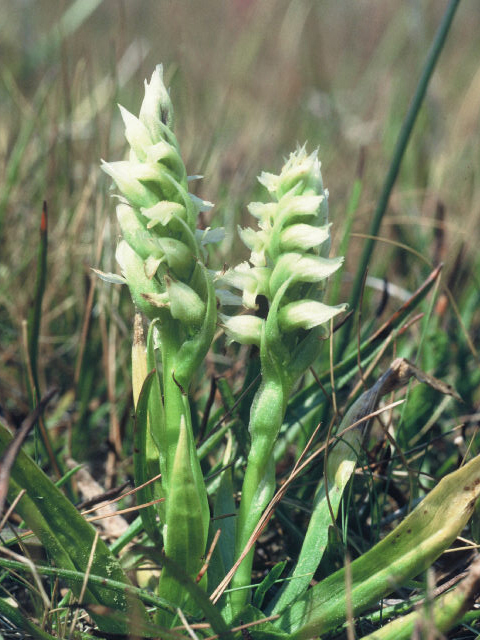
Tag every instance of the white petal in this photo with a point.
(163, 212)
(228, 299)
(269, 180)
(151, 265)
(303, 268)
(262, 210)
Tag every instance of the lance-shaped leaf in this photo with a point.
(15, 616)
(64, 533)
(142, 453)
(403, 554)
(185, 539)
(442, 614)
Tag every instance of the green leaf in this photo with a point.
(223, 555)
(341, 464)
(224, 506)
(185, 538)
(266, 583)
(403, 554)
(14, 615)
(63, 531)
(198, 595)
(261, 631)
(441, 614)
(140, 462)
(78, 577)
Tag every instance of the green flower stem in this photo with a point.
(173, 398)
(293, 282)
(267, 414)
(161, 258)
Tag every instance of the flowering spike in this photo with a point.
(289, 261)
(288, 265)
(160, 252)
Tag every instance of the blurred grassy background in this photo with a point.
(249, 80)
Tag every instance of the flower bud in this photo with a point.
(140, 285)
(156, 107)
(185, 304)
(306, 314)
(136, 133)
(245, 329)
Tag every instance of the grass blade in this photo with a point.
(402, 142)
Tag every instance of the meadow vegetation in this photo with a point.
(249, 81)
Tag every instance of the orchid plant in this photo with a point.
(161, 260)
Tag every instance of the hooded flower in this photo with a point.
(161, 252)
(289, 261)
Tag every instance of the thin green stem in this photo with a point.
(259, 483)
(400, 147)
